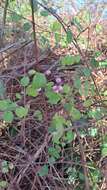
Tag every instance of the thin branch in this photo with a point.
(85, 169)
(34, 35)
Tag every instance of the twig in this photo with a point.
(3, 24)
(87, 186)
(34, 35)
(25, 44)
(35, 157)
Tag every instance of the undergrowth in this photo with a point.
(53, 110)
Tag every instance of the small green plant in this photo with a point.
(3, 184)
(6, 166)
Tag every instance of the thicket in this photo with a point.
(53, 96)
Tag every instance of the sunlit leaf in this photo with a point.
(38, 115)
(56, 26)
(25, 81)
(70, 136)
(53, 98)
(39, 80)
(30, 91)
(69, 36)
(98, 28)
(18, 96)
(31, 72)
(69, 60)
(93, 132)
(4, 105)
(21, 111)
(8, 116)
(57, 37)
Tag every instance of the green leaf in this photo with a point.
(70, 136)
(2, 88)
(3, 184)
(11, 166)
(57, 121)
(18, 96)
(4, 163)
(25, 81)
(95, 113)
(8, 116)
(93, 132)
(4, 104)
(86, 16)
(5, 170)
(105, 93)
(44, 13)
(99, 28)
(7, 105)
(94, 63)
(103, 64)
(76, 58)
(15, 17)
(31, 72)
(81, 176)
(39, 80)
(70, 60)
(98, 53)
(43, 171)
(57, 135)
(87, 72)
(49, 86)
(66, 89)
(12, 106)
(56, 26)
(95, 175)
(38, 115)
(69, 36)
(53, 152)
(75, 113)
(87, 103)
(77, 83)
(104, 151)
(86, 88)
(77, 23)
(4, 166)
(72, 174)
(67, 60)
(68, 106)
(57, 124)
(30, 91)
(27, 26)
(57, 37)
(53, 98)
(21, 111)
(51, 160)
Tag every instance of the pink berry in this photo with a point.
(58, 80)
(57, 89)
(48, 72)
(60, 88)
